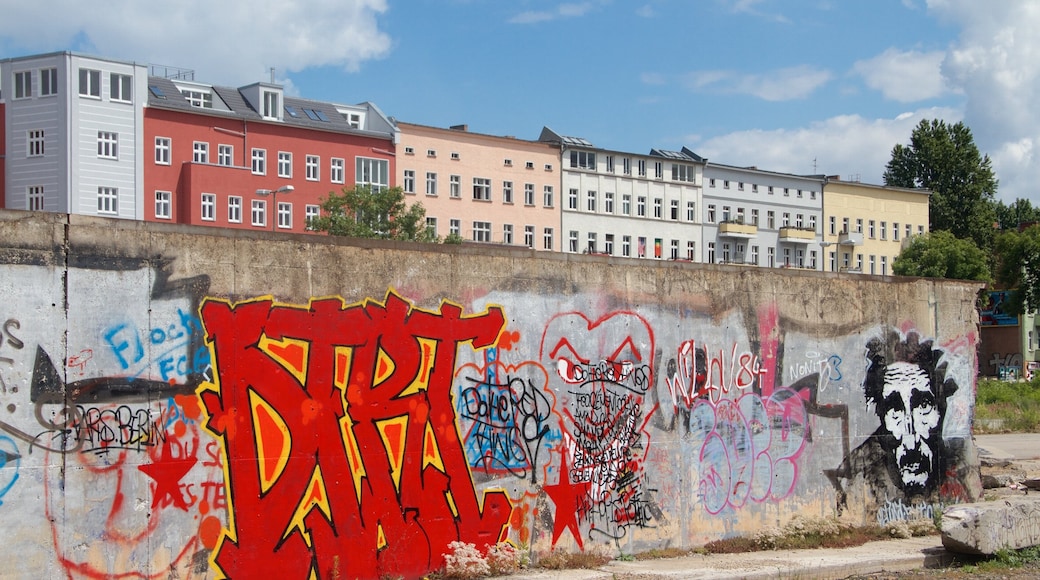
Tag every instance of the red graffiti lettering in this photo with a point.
(343, 455)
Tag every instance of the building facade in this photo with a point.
(626, 204)
(867, 225)
(482, 188)
(73, 131)
(762, 218)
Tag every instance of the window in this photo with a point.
(336, 170)
(799, 221)
(454, 227)
(35, 143)
(547, 239)
(108, 200)
(873, 267)
(833, 262)
(284, 164)
(529, 165)
(786, 221)
(34, 198)
(481, 231)
(787, 192)
(548, 166)
(162, 150)
(431, 226)
(726, 259)
(547, 196)
(23, 84)
(691, 250)
(311, 167)
(409, 181)
(209, 207)
(641, 206)
(754, 255)
(608, 202)
(608, 244)
(711, 213)
(311, 212)
(610, 163)
(812, 222)
(455, 185)
(641, 167)
(591, 248)
(528, 194)
(529, 236)
(285, 215)
(352, 119)
(572, 241)
(259, 213)
(711, 182)
(626, 166)
(812, 259)
(507, 234)
(572, 199)
(583, 159)
(884, 265)
(770, 190)
(626, 203)
(507, 192)
(259, 161)
(870, 230)
(431, 152)
(198, 98)
(409, 150)
(162, 205)
(754, 217)
(675, 250)
(674, 209)
(626, 246)
(272, 105)
(507, 162)
(431, 183)
(90, 83)
(682, 172)
(845, 225)
(482, 190)
(48, 81)
(859, 225)
(658, 209)
(799, 193)
(771, 257)
(884, 230)
(908, 230)
(920, 230)
(754, 188)
(658, 170)
(374, 173)
(225, 154)
(234, 209)
(590, 200)
(895, 231)
(711, 252)
(120, 88)
(859, 263)
(641, 247)
(200, 152)
(833, 225)
(691, 211)
(455, 156)
(770, 219)
(107, 145)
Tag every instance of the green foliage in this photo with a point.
(1018, 267)
(1019, 212)
(453, 238)
(944, 159)
(940, 255)
(363, 213)
(1015, 404)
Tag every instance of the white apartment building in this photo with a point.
(762, 218)
(629, 205)
(74, 125)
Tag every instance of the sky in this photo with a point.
(795, 86)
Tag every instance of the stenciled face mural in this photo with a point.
(187, 431)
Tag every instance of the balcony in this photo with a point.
(796, 235)
(738, 229)
(847, 238)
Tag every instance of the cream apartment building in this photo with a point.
(867, 225)
(485, 188)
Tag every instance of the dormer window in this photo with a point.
(272, 104)
(198, 98)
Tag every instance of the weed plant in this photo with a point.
(1015, 404)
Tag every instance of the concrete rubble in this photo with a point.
(985, 528)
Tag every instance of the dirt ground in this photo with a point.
(976, 568)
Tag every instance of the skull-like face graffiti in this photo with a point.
(912, 417)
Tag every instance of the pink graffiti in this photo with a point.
(749, 447)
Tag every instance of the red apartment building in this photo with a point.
(252, 158)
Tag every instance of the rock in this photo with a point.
(988, 527)
(996, 480)
(1032, 483)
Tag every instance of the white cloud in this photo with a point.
(904, 76)
(751, 7)
(995, 62)
(229, 42)
(849, 146)
(569, 10)
(780, 85)
(646, 11)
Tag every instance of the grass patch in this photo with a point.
(587, 559)
(1003, 560)
(1015, 404)
(805, 533)
(662, 553)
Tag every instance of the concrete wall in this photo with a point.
(181, 402)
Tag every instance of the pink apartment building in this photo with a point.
(484, 188)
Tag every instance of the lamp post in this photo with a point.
(274, 201)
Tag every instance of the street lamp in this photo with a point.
(274, 200)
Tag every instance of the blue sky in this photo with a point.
(800, 86)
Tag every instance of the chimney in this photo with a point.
(463, 128)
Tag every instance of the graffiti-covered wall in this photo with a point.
(180, 403)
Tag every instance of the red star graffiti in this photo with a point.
(167, 471)
(567, 496)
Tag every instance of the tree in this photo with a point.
(1018, 268)
(382, 214)
(1019, 212)
(944, 159)
(939, 254)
